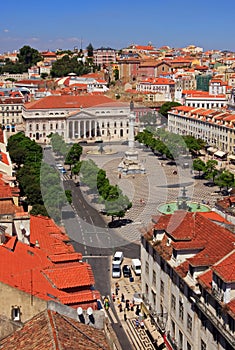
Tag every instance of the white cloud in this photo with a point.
(6, 30)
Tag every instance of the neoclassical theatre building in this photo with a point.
(77, 118)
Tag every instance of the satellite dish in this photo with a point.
(27, 233)
(89, 311)
(79, 311)
(21, 226)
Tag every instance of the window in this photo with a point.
(181, 310)
(162, 287)
(154, 277)
(146, 289)
(37, 126)
(147, 267)
(189, 347)
(189, 323)
(203, 345)
(173, 302)
(51, 126)
(180, 340)
(15, 313)
(43, 127)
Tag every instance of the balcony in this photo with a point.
(218, 294)
(215, 321)
(172, 342)
(159, 318)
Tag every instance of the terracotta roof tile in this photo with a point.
(49, 330)
(70, 276)
(65, 257)
(225, 269)
(69, 102)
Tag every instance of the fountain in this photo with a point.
(183, 203)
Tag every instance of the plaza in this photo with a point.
(147, 191)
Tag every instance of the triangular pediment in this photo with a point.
(81, 115)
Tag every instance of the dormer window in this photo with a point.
(15, 313)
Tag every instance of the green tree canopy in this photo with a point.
(29, 56)
(167, 106)
(198, 165)
(90, 50)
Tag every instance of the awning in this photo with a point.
(202, 152)
(220, 154)
(231, 157)
(212, 149)
(153, 332)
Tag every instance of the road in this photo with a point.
(88, 230)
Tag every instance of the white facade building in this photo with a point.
(76, 118)
(213, 126)
(187, 283)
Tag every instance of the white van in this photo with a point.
(118, 257)
(116, 269)
(136, 266)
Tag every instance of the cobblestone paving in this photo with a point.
(156, 187)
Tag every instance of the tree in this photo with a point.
(116, 74)
(44, 75)
(210, 169)
(29, 56)
(198, 165)
(74, 154)
(167, 106)
(225, 179)
(193, 144)
(90, 50)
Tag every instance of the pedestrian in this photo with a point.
(120, 307)
(142, 324)
(117, 285)
(137, 323)
(127, 305)
(132, 307)
(137, 312)
(106, 303)
(113, 297)
(116, 291)
(125, 317)
(122, 298)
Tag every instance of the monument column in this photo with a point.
(131, 137)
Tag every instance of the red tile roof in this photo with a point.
(225, 269)
(70, 276)
(68, 102)
(196, 230)
(65, 257)
(40, 265)
(49, 330)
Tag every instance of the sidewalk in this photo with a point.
(128, 316)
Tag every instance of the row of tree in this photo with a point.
(169, 144)
(222, 178)
(39, 183)
(115, 202)
(69, 63)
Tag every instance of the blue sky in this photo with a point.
(67, 24)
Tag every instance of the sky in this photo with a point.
(57, 24)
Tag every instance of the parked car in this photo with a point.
(126, 270)
(118, 257)
(62, 170)
(116, 269)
